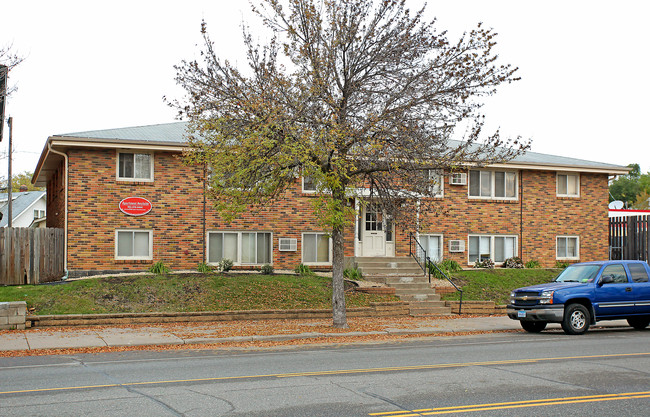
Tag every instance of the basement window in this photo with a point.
(133, 244)
(243, 248)
(316, 248)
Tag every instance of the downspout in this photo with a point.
(521, 214)
(65, 218)
(205, 174)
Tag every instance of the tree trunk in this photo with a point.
(338, 289)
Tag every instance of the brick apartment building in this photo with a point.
(127, 201)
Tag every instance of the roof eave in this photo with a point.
(64, 142)
(610, 170)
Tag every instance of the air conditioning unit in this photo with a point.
(456, 246)
(459, 178)
(288, 244)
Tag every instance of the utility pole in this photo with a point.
(9, 202)
(4, 72)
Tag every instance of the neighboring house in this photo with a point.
(27, 207)
(127, 200)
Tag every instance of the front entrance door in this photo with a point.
(374, 237)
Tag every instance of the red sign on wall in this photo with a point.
(135, 206)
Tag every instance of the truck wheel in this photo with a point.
(576, 319)
(533, 326)
(639, 323)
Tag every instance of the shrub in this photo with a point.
(225, 265)
(487, 264)
(266, 269)
(446, 266)
(203, 268)
(532, 264)
(514, 262)
(353, 274)
(159, 268)
(303, 270)
(561, 265)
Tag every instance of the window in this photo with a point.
(316, 248)
(308, 185)
(38, 214)
(493, 184)
(496, 248)
(616, 272)
(133, 244)
(243, 248)
(638, 272)
(568, 185)
(433, 245)
(135, 166)
(458, 178)
(436, 183)
(567, 247)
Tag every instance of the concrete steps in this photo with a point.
(410, 283)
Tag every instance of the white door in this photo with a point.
(374, 237)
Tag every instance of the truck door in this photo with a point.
(640, 287)
(614, 295)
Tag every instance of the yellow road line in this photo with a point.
(453, 365)
(514, 404)
(334, 372)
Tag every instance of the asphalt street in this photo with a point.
(605, 372)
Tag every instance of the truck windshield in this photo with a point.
(578, 273)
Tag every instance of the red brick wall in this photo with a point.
(537, 217)
(176, 217)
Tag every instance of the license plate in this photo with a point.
(521, 313)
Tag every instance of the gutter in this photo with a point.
(65, 218)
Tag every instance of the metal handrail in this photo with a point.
(460, 305)
(414, 254)
(425, 266)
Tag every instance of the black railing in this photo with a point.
(417, 252)
(420, 255)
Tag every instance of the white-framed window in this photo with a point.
(568, 247)
(458, 178)
(568, 185)
(38, 214)
(498, 248)
(436, 187)
(493, 184)
(308, 185)
(243, 248)
(132, 166)
(316, 248)
(133, 244)
(433, 245)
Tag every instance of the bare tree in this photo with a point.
(8, 59)
(369, 96)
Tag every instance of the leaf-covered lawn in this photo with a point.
(496, 284)
(187, 292)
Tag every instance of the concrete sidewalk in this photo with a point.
(260, 331)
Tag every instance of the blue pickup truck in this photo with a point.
(583, 294)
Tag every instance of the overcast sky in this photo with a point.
(98, 65)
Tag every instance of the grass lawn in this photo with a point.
(496, 284)
(183, 292)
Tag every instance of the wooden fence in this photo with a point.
(31, 256)
(629, 238)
